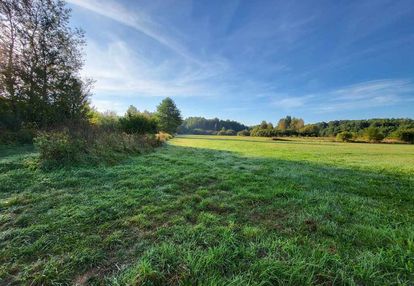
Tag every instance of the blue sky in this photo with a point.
(252, 60)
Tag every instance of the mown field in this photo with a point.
(213, 210)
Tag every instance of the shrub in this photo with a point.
(309, 130)
(244, 132)
(198, 131)
(405, 135)
(58, 148)
(269, 132)
(90, 145)
(344, 136)
(228, 132)
(138, 124)
(24, 134)
(374, 134)
(162, 136)
(108, 121)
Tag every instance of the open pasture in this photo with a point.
(213, 210)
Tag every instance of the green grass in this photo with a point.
(213, 210)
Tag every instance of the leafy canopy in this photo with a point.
(169, 116)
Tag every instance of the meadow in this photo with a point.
(212, 210)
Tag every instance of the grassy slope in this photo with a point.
(213, 210)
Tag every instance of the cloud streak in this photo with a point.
(138, 21)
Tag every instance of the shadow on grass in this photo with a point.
(91, 219)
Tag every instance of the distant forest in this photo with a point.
(203, 126)
(347, 130)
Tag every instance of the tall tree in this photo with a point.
(40, 62)
(169, 116)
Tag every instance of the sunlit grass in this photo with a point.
(213, 210)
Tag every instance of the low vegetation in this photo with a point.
(212, 210)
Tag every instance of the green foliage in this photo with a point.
(311, 130)
(381, 128)
(344, 136)
(374, 134)
(203, 126)
(59, 148)
(64, 148)
(386, 126)
(210, 211)
(108, 120)
(244, 132)
(406, 135)
(168, 115)
(290, 123)
(227, 132)
(24, 135)
(138, 124)
(40, 61)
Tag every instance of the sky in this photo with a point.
(251, 60)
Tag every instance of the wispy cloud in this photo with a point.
(118, 69)
(134, 19)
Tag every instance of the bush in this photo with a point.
(344, 136)
(58, 148)
(162, 136)
(90, 145)
(228, 132)
(108, 121)
(138, 124)
(23, 134)
(374, 134)
(311, 130)
(244, 132)
(198, 131)
(406, 135)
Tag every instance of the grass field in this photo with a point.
(213, 210)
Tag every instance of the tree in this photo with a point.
(406, 135)
(40, 63)
(244, 132)
(374, 134)
(138, 123)
(309, 130)
(169, 116)
(344, 136)
(132, 110)
(284, 123)
(263, 125)
(297, 123)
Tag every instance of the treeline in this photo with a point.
(203, 126)
(345, 130)
(44, 100)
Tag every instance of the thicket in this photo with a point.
(228, 132)
(244, 132)
(203, 126)
(344, 136)
(90, 145)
